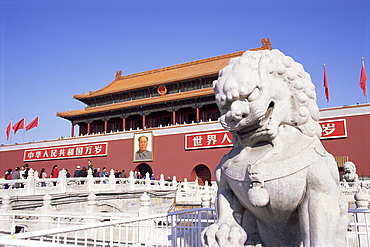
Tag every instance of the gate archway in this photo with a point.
(143, 168)
(203, 173)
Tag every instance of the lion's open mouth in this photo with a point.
(261, 123)
(249, 129)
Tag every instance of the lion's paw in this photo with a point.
(223, 235)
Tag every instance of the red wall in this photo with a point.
(356, 145)
(171, 158)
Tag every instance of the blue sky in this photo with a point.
(51, 50)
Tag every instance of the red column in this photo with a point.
(123, 124)
(173, 118)
(143, 121)
(88, 128)
(197, 115)
(105, 126)
(73, 131)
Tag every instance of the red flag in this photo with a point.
(363, 78)
(34, 123)
(326, 85)
(19, 125)
(8, 129)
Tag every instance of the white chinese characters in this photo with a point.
(327, 129)
(208, 140)
(76, 151)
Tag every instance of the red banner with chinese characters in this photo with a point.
(208, 140)
(67, 152)
(333, 129)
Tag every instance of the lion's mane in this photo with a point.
(278, 68)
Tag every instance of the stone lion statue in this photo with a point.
(278, 186)
(350, 174)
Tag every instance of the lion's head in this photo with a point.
(349, 167)
(262, 90)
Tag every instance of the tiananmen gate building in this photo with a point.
(174, 109)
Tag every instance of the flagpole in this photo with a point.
(38, 126)
(24, 129)
(10, 134)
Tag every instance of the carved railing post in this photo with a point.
(131, 180)
(36, 176)
(62, 180)
(30, 184)
(46, 200)
(362, 199)
(147, 180)
(92, 207)
(174, 182)
(144, 205)
(90, 180)
(112, 180)
(186, 186)
(161, 181)
(5, 207)
(206, 198)
(46, 210)
(197, 192)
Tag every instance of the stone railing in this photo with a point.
(180, 228)
(33, 185)
(351, 188)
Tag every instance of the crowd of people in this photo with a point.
(22, 173)
(18, 173)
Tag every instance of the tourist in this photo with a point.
(43, 176)
(27, 169)
(83, 172)
(123, 174)
(16, 175)
(96, 173)
(68, 175)
(117, 174)
(22, 171)
(8, 176)
(54, 172)
(76, 174)
(104, 172)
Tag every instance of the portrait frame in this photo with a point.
(150, 148)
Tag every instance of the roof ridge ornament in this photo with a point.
(266, 45)
(118, 74)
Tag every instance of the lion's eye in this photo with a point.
(254, 94)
